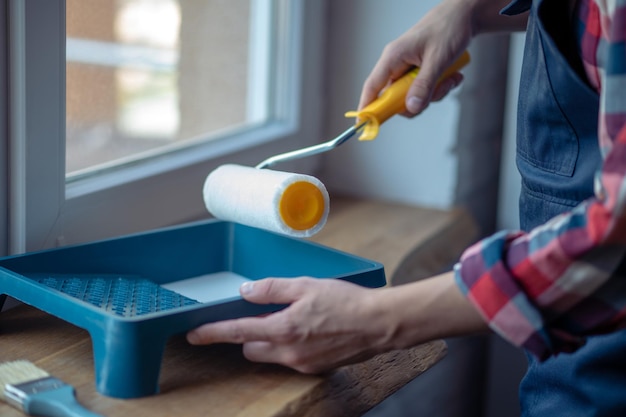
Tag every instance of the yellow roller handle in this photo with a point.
(392, 100)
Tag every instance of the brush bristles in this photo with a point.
(17, 372)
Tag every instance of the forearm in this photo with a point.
(426, 310)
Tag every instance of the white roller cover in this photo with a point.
(267, 199)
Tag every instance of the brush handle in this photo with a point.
(392, 100)
(59, 402)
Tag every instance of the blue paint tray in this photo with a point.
(134, 292)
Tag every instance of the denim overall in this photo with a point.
(558, 156)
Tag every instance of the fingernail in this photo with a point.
(414, 104)
(246, 288)
(192, 337)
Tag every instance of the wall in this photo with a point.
(508, 212)
(4, 132)
(411, 160)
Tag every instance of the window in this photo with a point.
(145, 75)
(143, 114)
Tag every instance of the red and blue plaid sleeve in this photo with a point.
(547, 290)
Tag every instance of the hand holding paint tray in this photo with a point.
(295, 204)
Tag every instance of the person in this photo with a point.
(556, 288)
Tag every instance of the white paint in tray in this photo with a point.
(210, 287)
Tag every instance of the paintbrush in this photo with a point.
(33, 391)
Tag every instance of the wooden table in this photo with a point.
(217, 380)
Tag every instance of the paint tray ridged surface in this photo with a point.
(134, 292)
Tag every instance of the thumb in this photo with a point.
(419, 95)
(273, 290)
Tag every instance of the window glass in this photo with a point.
(145, 75)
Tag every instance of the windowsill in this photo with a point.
(412, 242)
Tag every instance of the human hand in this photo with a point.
(328, 323)
(432, 44)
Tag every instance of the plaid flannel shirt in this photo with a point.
(547, 290)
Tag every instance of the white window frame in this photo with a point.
(46, 211)
(4, 131)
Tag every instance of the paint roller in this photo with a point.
(296, 204)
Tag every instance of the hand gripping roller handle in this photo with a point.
(390, 102)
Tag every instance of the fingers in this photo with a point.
(312, 358)
(287, 355)
(418, 96)
(421, 91)
(445, 86)
(272, 327)
(374, 84)
(389, 67)
(268, 352)
(424, 89)
(275, 290)
(229, 331)
(319, 330)
(429, 45)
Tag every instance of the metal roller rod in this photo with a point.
(312, 150)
